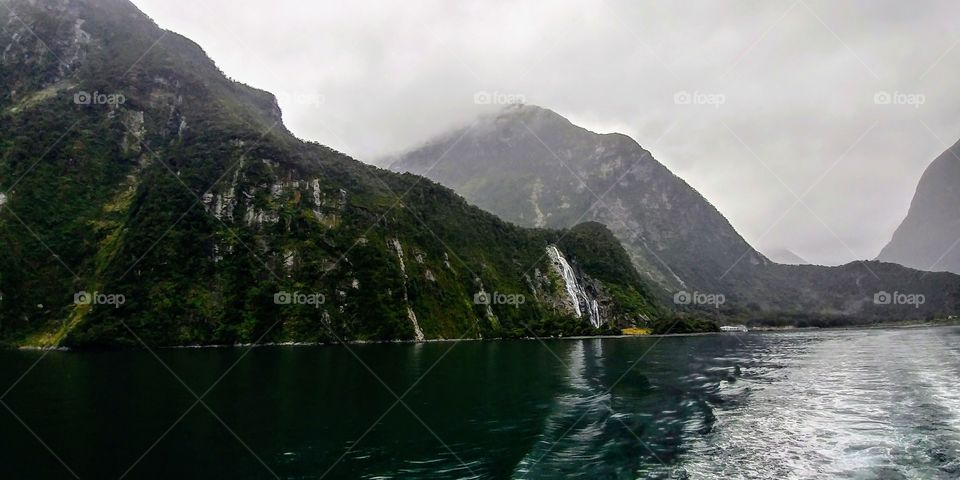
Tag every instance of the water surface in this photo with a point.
(858, 404)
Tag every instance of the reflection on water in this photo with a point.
(622, 422)
(580, 428)
(842, 404)
(858, 404)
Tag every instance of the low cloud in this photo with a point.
(798, 82)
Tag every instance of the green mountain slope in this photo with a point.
(132, 168)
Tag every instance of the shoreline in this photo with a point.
(377, 342)
(495, 339)
(860, 327)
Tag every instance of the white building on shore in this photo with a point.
(733, 328)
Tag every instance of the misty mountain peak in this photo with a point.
(534, 167)
(521, 112)
(87, 48)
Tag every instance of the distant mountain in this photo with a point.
(148, 197)
(929, 238)
(784, 256)
(533, 167)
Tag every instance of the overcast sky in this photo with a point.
(783, 94)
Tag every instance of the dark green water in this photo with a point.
(835, 404)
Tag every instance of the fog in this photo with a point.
(806, 123)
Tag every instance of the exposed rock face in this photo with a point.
(69, 41)
(534, 168)
(929, 238)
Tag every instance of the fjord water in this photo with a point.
(805, 404)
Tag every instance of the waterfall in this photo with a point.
(569, 278)
(578, 295)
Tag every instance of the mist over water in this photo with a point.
(861, 404)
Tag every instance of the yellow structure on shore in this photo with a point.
(636, 331)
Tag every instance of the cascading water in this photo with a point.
(578, 295)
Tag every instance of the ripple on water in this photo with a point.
(859, 404)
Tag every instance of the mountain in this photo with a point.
(929, 237)
(148, 198)
(533, 167)
(785, 256)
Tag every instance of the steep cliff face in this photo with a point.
(929, 238)
(533, 167)
(132, 169)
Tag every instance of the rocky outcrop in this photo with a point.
(929, 237)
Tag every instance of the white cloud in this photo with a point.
(798, 79)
